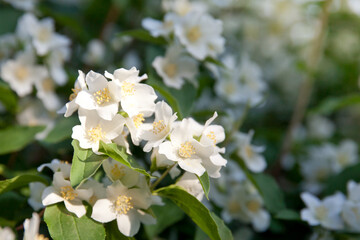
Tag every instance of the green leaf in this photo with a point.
(64, 225)
(213, 226)
(8, 98)
(205, 183)
(339, 182)
(62, 130)
(166, 216)
(84, 167)
(141, 34)
(113, 233)
(214, 61)
(181, 100)
(119, 154)
(288, 214)
(333, 104)
(270, 191)
(20, 181)
(17, 137)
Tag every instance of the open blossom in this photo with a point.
(22, 73)
(62, 191)
(351, 210)
(101, 96)
(161, 28)
(135, 97)
(117, 171)
(191, 184)
(249, 153)
(156, 132)
(94, 129)
(31, 228)
(126, 206)
(346, 154)
(201, 35)
(175, 67)
(56, 165)
(183, 7)
(95, 53)
(46, 93)
(36, 190)
(325, 213)
(55, 63)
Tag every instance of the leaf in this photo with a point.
(339, 182)
(166, 216)
(119, 154)
(180, 100)
(214, 61)
(213, 226)
(64, 225)
(332, 104)
(20, 181)
(8, 98)
(205, 183)
(288, 214)
(62, 130)
(141, 34)
(113, 233)
(270, 191)
(17, 137)
(86, 167)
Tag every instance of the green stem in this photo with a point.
(162, 177)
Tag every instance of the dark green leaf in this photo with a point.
(84, 168)
(8, 98)
(213, 226)
(143, 35)
(119, 154)
(288, 214)
(270, 191)
(332, 104)
(205, 183)
(113, 233)
(338, 182)
(16, 137)
(64, 225)
(214, 61)
(20, 181)
(62, 130)
(166, 216)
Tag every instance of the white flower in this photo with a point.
(6, 234)
(98, 189)
(161, 161)
(346, 155)
(55, 62)
(246, 204)
(36, 190)
(175, 67)
(250, 153)
(125, 205)
(183, 7)
(351, 209)
(191, 184)
(156, 132)
(95, 52)
(46, 93)
(186, 151)
(61, 191)
(101, 95)
(72, 106)
(25, 5)
(158, 28)
(135, 97)
(201, 35)
(31, 228)
(320, 127)
(56, 165)
(325, 213)
(93, 129)
(117, 171)
(22, 73)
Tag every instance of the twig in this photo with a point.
(161, 177)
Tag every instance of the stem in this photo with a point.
(306, 87)
(162, 177)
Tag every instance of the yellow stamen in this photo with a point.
(170, 69)
(74, 94)
(117, 172)
(158, 126)
(321, 212)
(102, 96)
(68, 193)
(253, 206)
(41, 237)
(186, 150)
(193, 34)
(128, 89)
(48, 85)
(212, 136)
(95, 134)
(138, 120)
(249, 151)
(123, 204)
(22, 72)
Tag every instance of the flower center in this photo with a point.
(234, 207)
(44, 34)
(158, 126)
(343, 159)
(321, 212)
(102, 96)
(41, 237)
(48, 85)
(117, 172)
(68, 193)
(95, 134)
(128, 89)
(74, 94)
(138, 120)
(193, 34)
(212, 136)
(186, 150)
(253, 206)
(249, 151)
(93, 200)
(123, 204)
(22, 73)
(170, 69)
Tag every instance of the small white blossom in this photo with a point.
(351, 209)
(161, 28)
(6, 234)
(56, 165)
(346, 155)
(31, 228)
(95, 52)
(36, 190)
(191, 184)
(117, 171)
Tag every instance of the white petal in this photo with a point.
(50, 196)
(75, 206)
(192, 165)
(102, 211)
(129, 224)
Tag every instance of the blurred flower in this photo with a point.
(6, 234)
(31, 228)
(36, 190)
(320, 127)
(351, 209)
(95, 52)
(191, 184)
(117, 171)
